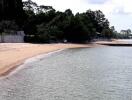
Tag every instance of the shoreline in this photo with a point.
(117, 42)
(15, 55)
(20, 65)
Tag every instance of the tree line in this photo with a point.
(43, 24)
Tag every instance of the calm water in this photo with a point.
(102, 73)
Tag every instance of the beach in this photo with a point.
(14, 54)
(96, 73)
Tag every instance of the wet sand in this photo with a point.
(14, 54)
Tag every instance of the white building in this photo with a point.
(17, 37)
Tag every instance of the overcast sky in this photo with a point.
(118, 12)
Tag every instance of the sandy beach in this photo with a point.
(113, 41)
(14, 54)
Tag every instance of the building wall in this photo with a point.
(0, 38)
(11, 39)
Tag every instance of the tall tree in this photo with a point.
(12, 10)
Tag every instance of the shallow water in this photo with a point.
(102, 73)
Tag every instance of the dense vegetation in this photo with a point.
(45, 24)
(11, 11)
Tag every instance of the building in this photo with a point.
(11, 11)
(14, 37)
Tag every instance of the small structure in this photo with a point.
(13, 37)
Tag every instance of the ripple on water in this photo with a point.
(102, 73)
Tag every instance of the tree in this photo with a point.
(44, 9)
(7, 26)
(107, 33)
(89, 22)
(30, 6)
(77, 31)
(12, 10)
(102, 22)
(30, 9)
(46, 24)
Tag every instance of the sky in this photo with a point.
(118, 12)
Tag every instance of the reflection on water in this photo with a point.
(103, 73)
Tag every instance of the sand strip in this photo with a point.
(14, 54)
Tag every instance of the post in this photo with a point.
(2, 37)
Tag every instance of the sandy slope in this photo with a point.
(14, 54)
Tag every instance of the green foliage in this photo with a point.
(106, 33)
(76, 31)
(55, 26)
(12, 10)
(8, 25)
(45, 24)
(52, 33)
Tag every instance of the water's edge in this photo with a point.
(22, 64)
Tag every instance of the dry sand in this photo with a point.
(113, 41)
(14, 54)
